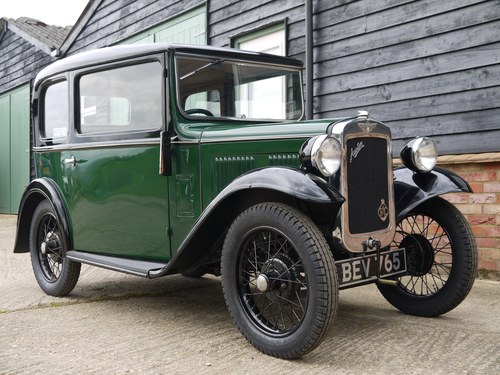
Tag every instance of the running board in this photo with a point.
(131, 266)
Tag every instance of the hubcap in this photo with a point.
(262, 283)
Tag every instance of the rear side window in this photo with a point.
(121, 99)
(55, 112)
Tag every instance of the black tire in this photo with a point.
(56, 275)
(279, 280)
(441, 260)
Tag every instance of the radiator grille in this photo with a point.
(367, 184)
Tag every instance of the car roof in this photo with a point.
(124, 52)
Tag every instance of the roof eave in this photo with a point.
(79, 26)
(29, 38)
(3, 28)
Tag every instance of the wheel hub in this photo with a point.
(419, 254)
(50, 241)
(275, 278)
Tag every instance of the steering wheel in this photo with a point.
(201, 111)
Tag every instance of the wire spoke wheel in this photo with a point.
(49, 246)
(273, 285)
(429, 254)
(279, 280)
(55, 274)
(441, 259)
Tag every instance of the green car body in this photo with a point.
(135, 175)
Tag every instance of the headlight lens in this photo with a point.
(326, 155)
(420, 154)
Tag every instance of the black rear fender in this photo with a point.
(37, 191)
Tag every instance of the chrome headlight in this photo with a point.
(322, 153)
(420, 154)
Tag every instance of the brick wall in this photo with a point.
(482, 208)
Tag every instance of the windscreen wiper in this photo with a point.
(206, 66)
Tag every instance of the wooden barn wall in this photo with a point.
(20, 61)
(424, 67)
(229, 18)
(114, 20)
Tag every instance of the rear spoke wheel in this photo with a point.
(50, 248)
(56, 275)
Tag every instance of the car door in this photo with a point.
(117, 199)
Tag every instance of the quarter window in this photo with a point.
(122, 99)
(55, 110)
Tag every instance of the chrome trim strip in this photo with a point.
(257, 138)
(156, 141)
(97, 145)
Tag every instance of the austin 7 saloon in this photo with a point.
(162, 159)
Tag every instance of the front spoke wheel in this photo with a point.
(273, 285)
(441, 259)
(279, 280)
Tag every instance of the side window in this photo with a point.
(121, 99)
(55, 112)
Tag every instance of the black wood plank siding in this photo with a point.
(228, 18)
(19, 61)
(114, 20)
(425, 67)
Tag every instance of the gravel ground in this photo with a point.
(120, 324)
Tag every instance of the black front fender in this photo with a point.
(412, 189)
(37, 191)
(267, 184)
(294, 182)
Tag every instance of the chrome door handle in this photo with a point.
(71, 160)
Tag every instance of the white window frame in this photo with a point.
(270, 40)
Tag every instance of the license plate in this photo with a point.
(363, 269)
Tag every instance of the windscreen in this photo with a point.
(217, 87)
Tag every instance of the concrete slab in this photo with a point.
(118, 324)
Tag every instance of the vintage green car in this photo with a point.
(163, 159)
